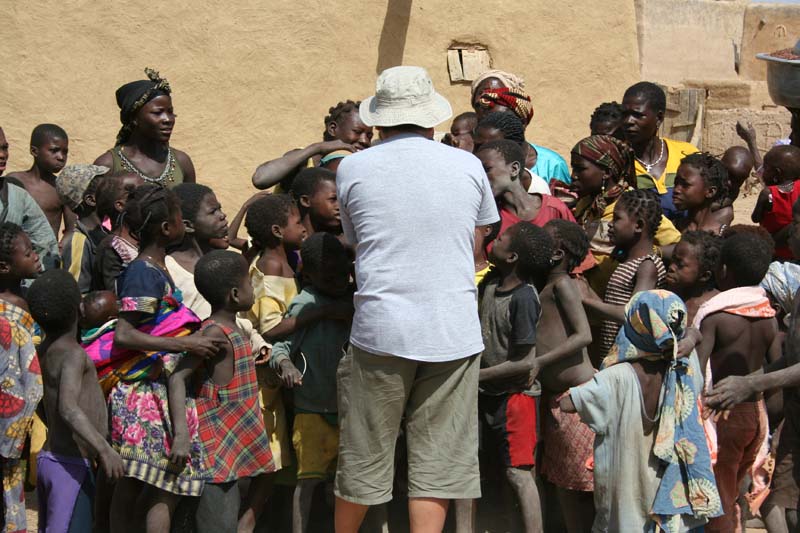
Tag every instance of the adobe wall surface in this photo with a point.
(253, 79)
(767, 28)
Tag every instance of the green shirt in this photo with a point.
(315, 351)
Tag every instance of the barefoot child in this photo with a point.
(637, 215)
(77, 189)
(651, 464)
(773, 210)
(314, 190)
(691, 272)
(561, 355)
(230, 423)
(739, 332)
(134, 362)
(701, 182)
(49, 148)
(307, 362)
(77, 420)
(19, 369)
(510, 312)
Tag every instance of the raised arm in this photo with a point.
(69, 390)
(233, 228)
(748, 134)
(270, 173)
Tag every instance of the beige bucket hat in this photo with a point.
(405, 95)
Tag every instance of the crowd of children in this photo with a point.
(184, 385)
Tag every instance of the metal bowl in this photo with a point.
(783, 79)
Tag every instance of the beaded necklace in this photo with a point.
(168, 174)
(649, 167)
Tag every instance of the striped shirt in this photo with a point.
(620, 290)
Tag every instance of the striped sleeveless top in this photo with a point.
(620, 290)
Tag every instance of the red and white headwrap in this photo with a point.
(515, 99)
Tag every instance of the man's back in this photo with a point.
(410, 205)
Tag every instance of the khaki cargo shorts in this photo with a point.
(440, 405)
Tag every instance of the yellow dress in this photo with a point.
(273, 294)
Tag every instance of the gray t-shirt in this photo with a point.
(410, 206)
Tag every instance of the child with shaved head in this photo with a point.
(773, 209)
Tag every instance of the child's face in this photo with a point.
(623, 228)
(501, 254)
(24, 261)
(684, 270)
(324, 205)
(51, 156)
(690, 189)
(210, 223)
(245, 293)
(334, 280)
(771, 174)
(294, 233)
(500, 173)
(794, 234)
(587, 177)
(461, 134)
(484, 135)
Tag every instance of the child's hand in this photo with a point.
(202, 346)
(534, 373)
(180, 449)
(112, 464)
(290, 376)
(263, 356)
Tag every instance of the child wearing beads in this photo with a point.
(701, 182)
(152, 332)
(230, 423)
(637, 215)
(19, 369)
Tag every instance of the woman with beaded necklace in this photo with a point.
(142, 145)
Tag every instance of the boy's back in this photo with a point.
(741, 343)
(66, 365)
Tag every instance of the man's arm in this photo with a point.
(69, 389)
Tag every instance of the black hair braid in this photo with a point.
(148, 207)
(335, 113)
(644, 205)
(572, 239)
(8, 232)
(509, 124)
(712, 170)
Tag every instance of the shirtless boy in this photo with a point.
(75, 408)
(738, 335)
(49, 148)
(563, 337)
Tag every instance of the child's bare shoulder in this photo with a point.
(269, 266)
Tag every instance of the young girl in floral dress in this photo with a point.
(152, 332)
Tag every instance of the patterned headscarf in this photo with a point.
(132, 96)
(654, 323)
(782, 281)
(516, 100)
(615, 156)
(511, 81)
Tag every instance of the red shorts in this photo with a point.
(512, 420)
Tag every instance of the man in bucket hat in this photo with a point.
(410, 206)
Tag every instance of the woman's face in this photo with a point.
(587, 177)
(488, 83)
(156, 119)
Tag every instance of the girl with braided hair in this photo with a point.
(700, 183)
(637, 215)
(344, 133)
(602, 169)
(134, 360)
(142, 145)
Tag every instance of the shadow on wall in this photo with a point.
(393, 34)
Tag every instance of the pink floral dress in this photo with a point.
(141, 428)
